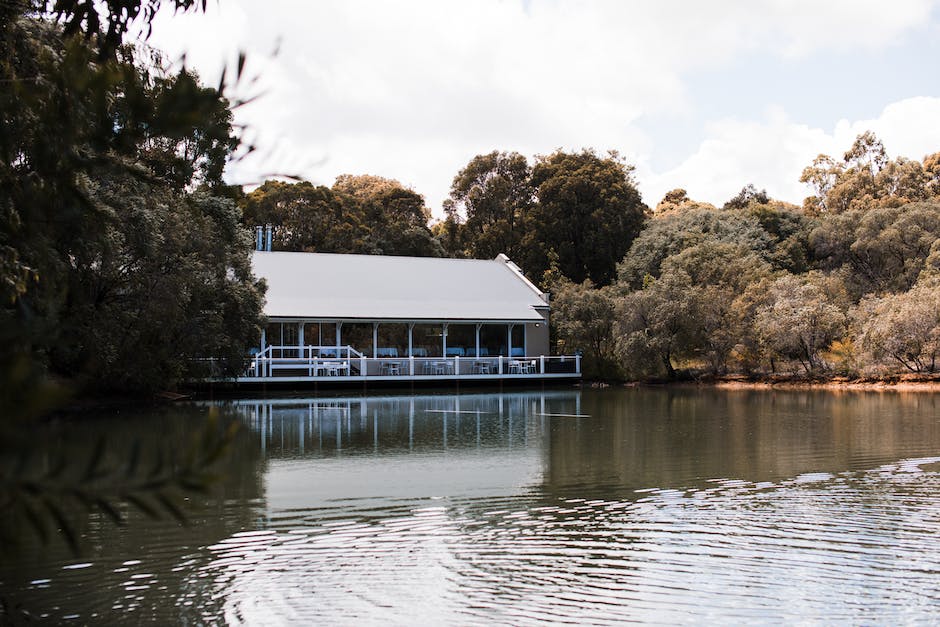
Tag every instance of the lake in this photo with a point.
(560, 505)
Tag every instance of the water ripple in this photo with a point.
(815, 547)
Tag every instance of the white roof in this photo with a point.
(373, 287)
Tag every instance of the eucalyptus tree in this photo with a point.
(659, 326)
(122, 258)
(902, 327)
(866, 178)
(306, 218)
(800, 320)
(674, 232)
(884, 248)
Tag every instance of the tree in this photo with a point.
(885, 248)
(932, 174)
(588, 211)
(122, 259)
(583, 319)
(658, 325)
(672, 233)
(721, 264)
(787, 225)
(789, 229)
(800, 320)
(495, 194)
(395, 215)
(864, 179)
(100, 230)
(84, 18)
(746, 197)
(904, 327)
(306, 218)
(450, 232)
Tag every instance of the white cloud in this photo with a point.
(772, 153)
(413, 90)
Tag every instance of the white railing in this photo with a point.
(317, 361)
(344, 361)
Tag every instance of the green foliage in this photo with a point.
(583, 319)
(902, 327)
(865, 179)
(117, 272)
(658, 325)
(84, 18)
(57, 494)
(305, 218)
(396, 215)
(719, 264)
(450, 232)
(789, 229)
(588, 212)
(749, 195)
(360, 214)
(799, 320)
(495, 193)
(884, 248)
(675, 232)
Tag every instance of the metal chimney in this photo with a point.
(268, 234)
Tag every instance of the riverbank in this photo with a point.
(900, 383)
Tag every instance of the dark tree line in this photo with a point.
(123, 259)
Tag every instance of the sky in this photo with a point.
(706, 96)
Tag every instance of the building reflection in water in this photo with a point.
(298, 427)
(353, 455)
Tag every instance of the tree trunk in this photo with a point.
(667, 362)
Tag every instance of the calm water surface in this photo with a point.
(563, 506)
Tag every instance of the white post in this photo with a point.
(339, 327)
(375, 339)
(259, 359)
(444, 340)
(456, 365)
(478, 340)
(577, 363)
(362, 366)
(411, 361)
(541, 364)
(509, 329)
(411, 328)
(499, 368)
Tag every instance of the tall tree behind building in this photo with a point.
(588, 212)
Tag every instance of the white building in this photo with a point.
(371, 316)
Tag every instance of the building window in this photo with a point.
(393, 340)
(358, 335)
(461, 340)
(428, 340)
(493, 340)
